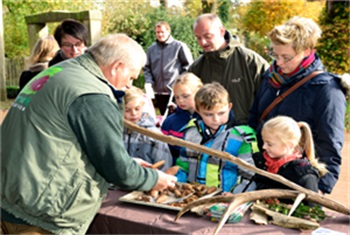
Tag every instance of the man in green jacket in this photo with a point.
(62, 142)
(227, 61)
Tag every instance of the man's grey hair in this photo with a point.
(118, 47)
(208, 17)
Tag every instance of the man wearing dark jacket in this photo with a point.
(167, 58)
(227, 61)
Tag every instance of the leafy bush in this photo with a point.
(334, 45)
(12, 91)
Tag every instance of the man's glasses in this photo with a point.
(78, 45)
(284, 58)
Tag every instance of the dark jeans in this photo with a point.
(161, 102)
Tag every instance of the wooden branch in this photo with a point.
(286, 221)
(322, 200)
(238, 199)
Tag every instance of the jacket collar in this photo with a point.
(38, 67)
(87, 61)
(232, 43)
(168, 41)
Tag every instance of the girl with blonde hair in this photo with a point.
(136, 144)
(184, 88)
(44, 50)
(289, 151)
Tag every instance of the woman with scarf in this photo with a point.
(320, 102)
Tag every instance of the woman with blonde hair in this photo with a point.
(289, 151)
(44, 50)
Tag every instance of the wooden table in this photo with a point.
(117, 217)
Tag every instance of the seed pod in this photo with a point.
(154, 193)
(162, 198)
(172, 170)
(200, 187)
(177, 193)
(158, 164)
(187, 191)
(211, 189)
(187, 186)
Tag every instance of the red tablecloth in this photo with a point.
(117, 217)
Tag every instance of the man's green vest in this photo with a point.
(55, 186)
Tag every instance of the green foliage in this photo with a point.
(333, 47)
(138, 20)
(12, 91)
(193, 7)
(302, 211)
(257, 43)
(252, 21)
(125, 17)
(224, 7)
(262, 16)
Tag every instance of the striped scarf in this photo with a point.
(278, 79)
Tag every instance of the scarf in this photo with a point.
(274, 164)
(278, 79)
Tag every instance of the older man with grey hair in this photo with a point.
(64, 145)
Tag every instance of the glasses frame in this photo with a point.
(78, 45)
(283, 58)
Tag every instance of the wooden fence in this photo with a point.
(14, 68)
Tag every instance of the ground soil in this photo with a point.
(341, 191)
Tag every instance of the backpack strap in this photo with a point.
(286, 93)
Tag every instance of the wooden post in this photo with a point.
(3, 93)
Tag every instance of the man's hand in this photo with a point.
(142, 162)
(164, 181)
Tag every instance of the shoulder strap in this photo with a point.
(286, 93)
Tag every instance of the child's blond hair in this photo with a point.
(133, 93)
(190, 80)
(299, 134)
(211, 94)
